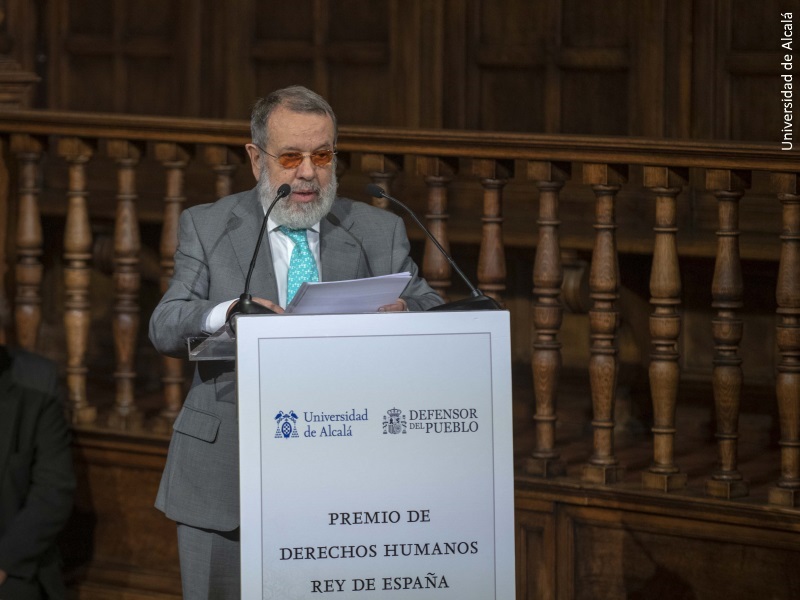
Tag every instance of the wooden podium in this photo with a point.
(376, 455)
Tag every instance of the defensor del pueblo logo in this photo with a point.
(431, 421)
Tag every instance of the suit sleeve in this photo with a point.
(48, 502)
(181, 312)
(418, 294)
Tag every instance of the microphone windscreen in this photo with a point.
(375, 190)
(284, 190)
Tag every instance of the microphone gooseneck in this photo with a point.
(477, 300)
(245, 305)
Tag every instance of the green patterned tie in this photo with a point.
(302, 266)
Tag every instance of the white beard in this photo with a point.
(297, 215)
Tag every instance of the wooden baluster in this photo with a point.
(665, 327)
(125, 414)
(492, 259)
(77, 274)
(224, 161)
(382, 170)
(548, 310)
(603, 466)
(435, 268)
(726, 290)
(383, 179)
(29, 270)
(787, 387)
(174, 158)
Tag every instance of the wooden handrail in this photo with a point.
(464, 144)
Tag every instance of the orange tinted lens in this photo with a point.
(290, 160)
(322, 157)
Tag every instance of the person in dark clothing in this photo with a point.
(36, 476)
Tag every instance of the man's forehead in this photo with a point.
(285, 125)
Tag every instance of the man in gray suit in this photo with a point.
(293, 142)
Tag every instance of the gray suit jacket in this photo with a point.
(200, 484)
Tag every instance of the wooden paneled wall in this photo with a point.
(671, 68)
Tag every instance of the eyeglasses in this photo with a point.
(292, 160)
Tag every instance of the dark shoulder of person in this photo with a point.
(28, 370)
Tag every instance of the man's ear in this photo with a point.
(255, 159)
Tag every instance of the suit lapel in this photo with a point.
(339, 254)
(9, 407)
(243, 229)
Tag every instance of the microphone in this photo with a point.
(477, 299)
(245, 305)
(334, 220)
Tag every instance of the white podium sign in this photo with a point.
(376, 456)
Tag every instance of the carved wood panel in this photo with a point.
(618, 554)
(141, 57)
(737, 56)
(347, 54)
(573, 66)
(18, 21)
(535, 554)
(629, 67)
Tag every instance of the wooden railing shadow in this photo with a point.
(555, 228)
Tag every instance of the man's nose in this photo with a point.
(305, 169)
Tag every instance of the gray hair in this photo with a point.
(297, 99)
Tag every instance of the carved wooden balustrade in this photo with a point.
(441, 173)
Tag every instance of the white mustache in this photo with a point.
(311, 188)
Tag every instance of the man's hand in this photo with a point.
(270, 305)
(399, 306)
(3, 576)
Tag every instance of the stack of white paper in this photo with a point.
(351, 296)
